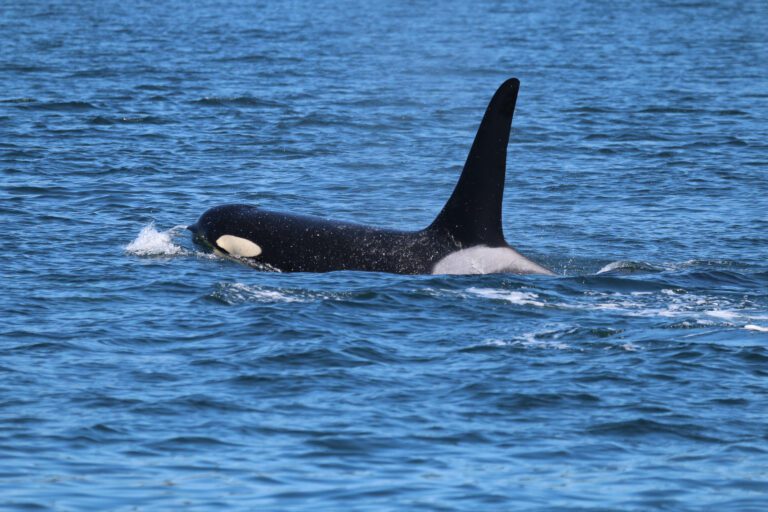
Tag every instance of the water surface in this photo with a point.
(138, 372)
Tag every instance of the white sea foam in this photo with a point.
(686, 310)
(238, 293)
(151, 242)
(552, 337)
(725, 315)
(528, 341)
(540, 340)
(519, 298)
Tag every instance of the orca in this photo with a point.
(465, 238)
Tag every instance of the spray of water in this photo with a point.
(151, 242)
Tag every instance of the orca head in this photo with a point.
(211, 231)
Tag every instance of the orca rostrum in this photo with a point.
(465, 238)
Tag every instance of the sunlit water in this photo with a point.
(139, 372)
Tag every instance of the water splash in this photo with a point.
(151, 242)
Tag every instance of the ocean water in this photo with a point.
(138, 372)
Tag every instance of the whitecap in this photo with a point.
(753, 327)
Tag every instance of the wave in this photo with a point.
(104, 120)
(672, 307)
(66, 106)
(628, 267)
(236, 101)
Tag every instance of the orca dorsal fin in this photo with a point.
(472, 215)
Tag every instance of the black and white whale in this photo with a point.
(465, 238)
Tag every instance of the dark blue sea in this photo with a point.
(139, 372)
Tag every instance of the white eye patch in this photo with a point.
(239, 247)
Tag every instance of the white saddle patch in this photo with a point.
(239, 247)
(482, 259)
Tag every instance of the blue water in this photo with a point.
(139, 373)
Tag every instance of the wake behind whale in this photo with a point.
(465, 238)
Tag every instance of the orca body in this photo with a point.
(465, 238)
